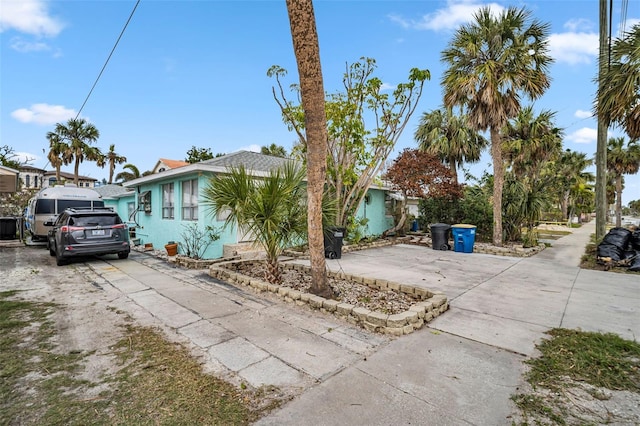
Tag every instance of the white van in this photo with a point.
(51, 201)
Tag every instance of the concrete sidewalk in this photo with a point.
(463, 368)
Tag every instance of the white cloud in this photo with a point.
(585, 135)
(387, 86)
(574, 25)
(29, 17)
(456, 13)
(26, 157)
(43, 114)
(583, 114)
(24, 46)
(574, 47)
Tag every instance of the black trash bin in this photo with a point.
(440, 236)
(8, 228)
(333, 237)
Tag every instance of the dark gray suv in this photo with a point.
(85, 232)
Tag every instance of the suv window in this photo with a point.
(94, 220)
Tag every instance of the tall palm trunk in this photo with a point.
(498, 184)
(307, 50)
(453, 165)
(619, 200)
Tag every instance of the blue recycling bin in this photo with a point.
(464, 237)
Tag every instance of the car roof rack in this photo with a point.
(90, 209)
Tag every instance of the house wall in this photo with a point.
(374, 210)
(158, 231)
(152, 228)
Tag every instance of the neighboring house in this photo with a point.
(49, 179)
(168, 201)
(8, 179)
(165, 164)
(31, 177)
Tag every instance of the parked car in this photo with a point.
(85, 232)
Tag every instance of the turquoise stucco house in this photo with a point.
(162, 204)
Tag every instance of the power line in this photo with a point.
(108, 58)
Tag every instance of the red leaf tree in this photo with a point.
(418, 174)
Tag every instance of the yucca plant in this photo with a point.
(273, 208)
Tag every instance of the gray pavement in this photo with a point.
(461, 369)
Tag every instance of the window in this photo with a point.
(131, 207)
(190, 199)
(167, 201)
(27, 181)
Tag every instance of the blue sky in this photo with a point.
(193, 73)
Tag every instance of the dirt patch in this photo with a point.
(345, 291)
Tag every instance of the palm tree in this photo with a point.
(304, 35)
(621, 161)
(448, 137)
(570, 174)
(272, 209)
(275, 150)
(57, 148)
(620, 97)
(493, 62)
(530, 142)
(80, 134)
(112, 158)
(126, 176)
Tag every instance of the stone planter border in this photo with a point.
(428, 304)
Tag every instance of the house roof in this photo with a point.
(28, 167)
(69, 176)
(171, 164)
(250, 160)
(8, 170)
(255, 163)
(112, 191)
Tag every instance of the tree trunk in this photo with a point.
(498, 183)
(564, 205)
(402, 220)
(454, 169)
(307, 50)
(272, 274)
(619, 200)
(76, 172)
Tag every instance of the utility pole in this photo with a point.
(601, 149)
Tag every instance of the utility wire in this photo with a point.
(108, 58)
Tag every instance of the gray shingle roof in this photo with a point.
(112, 191)
(250, 160)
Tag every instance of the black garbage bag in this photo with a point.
(611, 251)
(635, 264)
(618, 237)
(635, 240)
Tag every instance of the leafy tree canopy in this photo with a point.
(196, 155)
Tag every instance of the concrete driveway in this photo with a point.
(464, 367)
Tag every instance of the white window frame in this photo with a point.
(168, 203)
(190, 199)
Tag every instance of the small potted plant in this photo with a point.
(172, 248)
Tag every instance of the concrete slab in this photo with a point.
(164, 309)
(202, 302)
(307, 352)
(357, 398)
(512, 335)
(603, 313)
(271, 371)
(205, 334)
(473, 380)
(420, 379)
(237, 353)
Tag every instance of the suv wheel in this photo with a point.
(52, 252)
(59, 259)
(123, 255)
